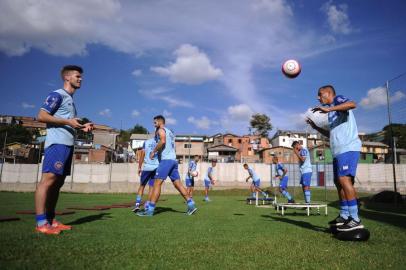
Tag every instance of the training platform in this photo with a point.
(305, 206)
(263, 201)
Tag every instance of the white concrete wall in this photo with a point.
(123, 177)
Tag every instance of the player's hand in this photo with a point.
(213, 182)
(152, 155)
(139, 172)
(311, 123)
(74, 122)
(321, 109)
(88, 127)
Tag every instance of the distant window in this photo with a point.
(239, 140)
(187, 145)
(249, 148)
(283, 140)
(230, 140)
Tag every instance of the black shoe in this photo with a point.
(350, 225)
(338, 221)
(291, 201)
(135, 209)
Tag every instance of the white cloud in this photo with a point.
(135, 113)
(137, 72)
(241, 112)
(201, 123)
(161, 93)
(26, 105)
(169, 120)
(337, 18)
(106, 113)
(191, 67)
(377, 97)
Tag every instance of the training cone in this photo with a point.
(355, 235)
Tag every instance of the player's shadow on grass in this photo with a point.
(160, 210)
(299, 223)
(380, 212)
(90, 218)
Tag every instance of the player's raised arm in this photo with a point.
(319, 129)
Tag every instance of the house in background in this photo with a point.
(188, 146)
(222, 153)
(284, 154)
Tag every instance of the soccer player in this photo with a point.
(146, 172)
(281, 172)
(305, 168)
(256, 181)
(190, 179)
(209, 180)
(59, 114)
(168, 166)
(345, 147)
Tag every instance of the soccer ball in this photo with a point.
(291, 68)
(194, 173)
(320, 119)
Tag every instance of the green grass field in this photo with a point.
(224, 234)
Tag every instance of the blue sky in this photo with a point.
(206, 65)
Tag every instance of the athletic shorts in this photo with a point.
(284, 183)
(257, 183)
(148, 177)
(207, 183)
(345, 164)
(306, 179)
(58, 159)
(190, 182)
(167, 167)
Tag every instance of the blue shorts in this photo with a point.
(207, 183)
(345, 164)
(167, 167)
(190, 182)
(257, 183)
(306, 179)
(147, 177)
(284, 183)
(58, 159)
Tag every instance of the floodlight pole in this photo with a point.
(4, 157)
(391, 136)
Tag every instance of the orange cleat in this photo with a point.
(62, 227)
(47, 229)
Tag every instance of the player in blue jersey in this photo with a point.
(168, 166)
(256, 182)
(280, 174)
(209, 180)
(305, 168)
(190, 175)
(59, 114)
(146, 170)
(345, 147)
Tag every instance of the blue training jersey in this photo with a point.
(280, 169)
(168, 151)
(59, 103)
(192, 167)
(253, 175)
(343, 129)
(150, 164)
(210, 171)
(305, 166)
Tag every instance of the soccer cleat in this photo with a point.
(350, 225)
(62, 227)
(47, 229)
(206, 200)
(145, 213)
(291, 201)
(338, 221)
(192, 210)
(136, 209)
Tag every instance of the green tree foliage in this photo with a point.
(399, 131)
(126, 134)
(261, 123)
(15, 133)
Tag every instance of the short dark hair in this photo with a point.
(160, 117)
(327, 86)
(68, 68)
(245, 164)
(214, 160)
(294, 143)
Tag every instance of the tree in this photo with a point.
(15, 133)
(399, 131)
(126, 134)
(261, 123)
(138, 129)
